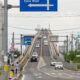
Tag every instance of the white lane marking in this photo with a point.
(37, 74)
(25, 65)
(39, 77)
(48, 74)
(52, 73)
(60, 75)
(23, 77)
(42, 63)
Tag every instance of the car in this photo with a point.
(59, 65)
(44, 37)
(52, 63)
(37, 45)
(34, 57)
(46, 42)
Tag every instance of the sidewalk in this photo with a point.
(3, 76)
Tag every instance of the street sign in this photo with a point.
(54, 38)
(38, 5)
(5, 68)
(62, 49)
(26, 40)
(12, 48)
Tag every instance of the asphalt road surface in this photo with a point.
(45, 71)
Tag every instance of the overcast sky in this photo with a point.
(67, 17)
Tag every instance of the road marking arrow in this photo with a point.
(40, 5)
(47, 4)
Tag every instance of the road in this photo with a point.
(42, 70)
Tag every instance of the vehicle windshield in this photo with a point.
(59, 63)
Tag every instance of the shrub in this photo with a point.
(0, 73)
(78, 66)
(27, 57)
(16, 52)
(21, 68)
(67, 58)
(76, 60)
(72, 57)
(55, 57)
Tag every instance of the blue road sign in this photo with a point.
(38, 5)
(26, 40)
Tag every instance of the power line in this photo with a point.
(67, 29)
(22, 28)
(51, 30)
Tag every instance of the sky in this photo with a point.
(67, 17)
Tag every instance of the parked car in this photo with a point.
(59, 65)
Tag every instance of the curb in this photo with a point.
(17, 77)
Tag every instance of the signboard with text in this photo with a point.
(26, 40)
(54, 38)
(38, 5)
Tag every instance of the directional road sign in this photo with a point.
(38, 5)
(26, 40)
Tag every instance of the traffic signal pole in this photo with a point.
(5, 35)
(72, 42)
(5, 29)
(67, 43)
(21, 44)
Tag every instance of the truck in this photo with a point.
(34, 57)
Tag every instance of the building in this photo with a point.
(1, 23)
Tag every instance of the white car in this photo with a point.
(37, 45)
(44, 37)
(59, 65)
(53, 63)
(46, 42)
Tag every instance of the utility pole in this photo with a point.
(21, 43)
(5, 29)
(67, 43)
(76, 44)
(12, 46)
(5, 35)
(72, 42)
